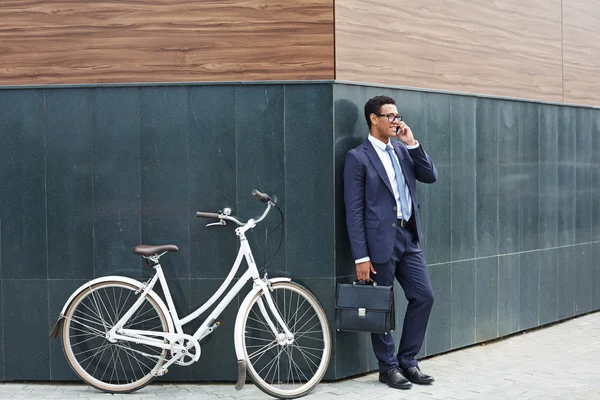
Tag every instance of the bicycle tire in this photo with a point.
(111, 367)
(304, 361)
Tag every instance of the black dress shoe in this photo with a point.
(415, 375)
(393, 378)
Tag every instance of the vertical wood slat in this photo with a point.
(581, 36)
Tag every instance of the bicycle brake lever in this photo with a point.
(221, 222)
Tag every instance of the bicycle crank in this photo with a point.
(183, 351)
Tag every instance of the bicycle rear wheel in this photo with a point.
(120, 367)
(281, 369)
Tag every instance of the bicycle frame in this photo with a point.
(118, 332)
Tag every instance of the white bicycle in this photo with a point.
(118, 333)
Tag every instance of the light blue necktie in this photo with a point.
(401, 184)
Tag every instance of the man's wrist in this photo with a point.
(413, 146)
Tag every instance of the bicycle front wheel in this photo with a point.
(279, 368)
(120, 367)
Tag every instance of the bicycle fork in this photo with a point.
(283, 336)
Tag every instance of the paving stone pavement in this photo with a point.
(561, 361)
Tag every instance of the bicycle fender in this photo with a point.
(238, 334)
(138, 284)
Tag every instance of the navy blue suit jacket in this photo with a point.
(371, 214)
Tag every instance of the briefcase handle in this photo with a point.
(369, 283)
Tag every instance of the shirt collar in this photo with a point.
(378, 143)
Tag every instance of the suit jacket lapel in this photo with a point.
(376, 161)
(396, 147)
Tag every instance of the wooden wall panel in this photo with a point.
(92, 41)
(581, 35)
(503, 47)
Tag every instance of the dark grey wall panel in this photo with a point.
(548, 286)
(487, 167)
(486, 298)
(69, 184)
(529, 177)
(583, 279)
(463, 189)
(308, 111)
(435, 134)
(23, 211)
(463, 303)
(548, 156)
(529, 289)
(212, 178)
(509, 181)
(508, 294)
(439, 329)
(260, 141)
(164, 173)
(25, 353)
(566, 281)
(583, 175)
(116, 184)
(567, 127)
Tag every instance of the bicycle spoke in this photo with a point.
(101, 355)
(100, 302)
(125, 303)
(272, 363)
(310, 330)
(95, 312)
(294, 366)
(98, 350)
(257, 315)
(94, 330)
(263, 349)
(308, 360)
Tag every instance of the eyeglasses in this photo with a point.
(391, 117)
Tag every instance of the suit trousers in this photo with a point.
(407, 265)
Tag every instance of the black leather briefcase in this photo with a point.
(364, 307)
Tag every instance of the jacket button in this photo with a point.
(395, 208)
(393, 225)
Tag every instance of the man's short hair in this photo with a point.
(373, 106)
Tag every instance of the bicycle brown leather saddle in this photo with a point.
(145, 250)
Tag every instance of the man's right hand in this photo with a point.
(363, 271)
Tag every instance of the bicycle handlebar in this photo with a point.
(263, 197)
(202, 214)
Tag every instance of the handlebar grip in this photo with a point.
(261, 196)
(202, 214)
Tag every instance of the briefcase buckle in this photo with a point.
(362, 312)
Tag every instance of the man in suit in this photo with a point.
(382, 216)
